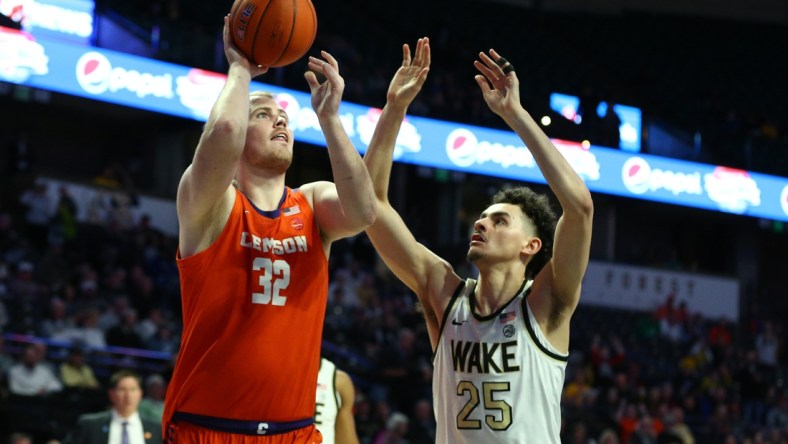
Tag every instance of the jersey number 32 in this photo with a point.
(274, 277)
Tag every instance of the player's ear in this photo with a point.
(531, 246)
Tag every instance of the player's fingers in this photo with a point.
(311, 80)
(406, 54)
(427, 52)
(482, 68)
(483, 84)
(331, 60)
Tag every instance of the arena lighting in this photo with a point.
(629, 128)
(181, 91)
(546, 121)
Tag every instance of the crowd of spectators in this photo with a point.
(633, 377)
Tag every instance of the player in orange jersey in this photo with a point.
(252, 256)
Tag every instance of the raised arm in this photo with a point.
(204, 191)
(347, 206)
(417, 267)
(573, 233)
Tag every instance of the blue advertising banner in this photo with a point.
(167, 88)
(68, 20)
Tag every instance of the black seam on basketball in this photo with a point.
(314, 25)
(256, 31)
(292, 30)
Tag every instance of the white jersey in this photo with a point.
(496, 378)
(327, 400)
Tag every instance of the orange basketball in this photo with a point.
(273, 33)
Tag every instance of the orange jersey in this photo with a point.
(253, 309)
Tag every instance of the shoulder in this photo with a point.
(94, 418)
(344, 385)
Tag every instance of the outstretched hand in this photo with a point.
(410, 77)
(504, 94)
(234, 55)
(326, 96)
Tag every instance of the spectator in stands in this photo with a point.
(86, 333)
(579, 434)
(27, 299)
(402, 370)
(114, 315)
(396, 430)
(39, 212)
(576, 389)
(75, 373)
(31, 377)
(366, 418)
(676, 427)
(422, 426)
(753, 387)
(767, 344)
(124, 334)
(63, 229)
(608, 436)
(56, 322)
(149, 326)
(777, 416)
(166, 339)
(645, 431)
(152, 404)
(122, 424)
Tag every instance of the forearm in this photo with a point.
(565, 183)
(351, 178)
(230, 113)
(378, 158)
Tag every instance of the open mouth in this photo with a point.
(280, 136)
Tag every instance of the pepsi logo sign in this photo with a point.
(639, 178)
(464, 149)
(96, 75)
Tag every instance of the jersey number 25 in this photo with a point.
(464, 420)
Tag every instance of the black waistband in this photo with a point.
(243, 427)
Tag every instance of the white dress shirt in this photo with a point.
(134, 427)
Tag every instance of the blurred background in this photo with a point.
(673, 112)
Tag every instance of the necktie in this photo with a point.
(124, 434)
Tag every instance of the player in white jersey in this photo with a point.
(500, 341)
(334, 405)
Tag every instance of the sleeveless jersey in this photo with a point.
(496, 379)
(253, 309)
(327, 401)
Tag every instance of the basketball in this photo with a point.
(273, 33)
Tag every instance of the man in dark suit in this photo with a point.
(122, 424)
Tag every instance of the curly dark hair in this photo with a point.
(537, 208)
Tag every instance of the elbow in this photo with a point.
(227, 130)
(582, 207)
(586, 205)
(369, 214)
